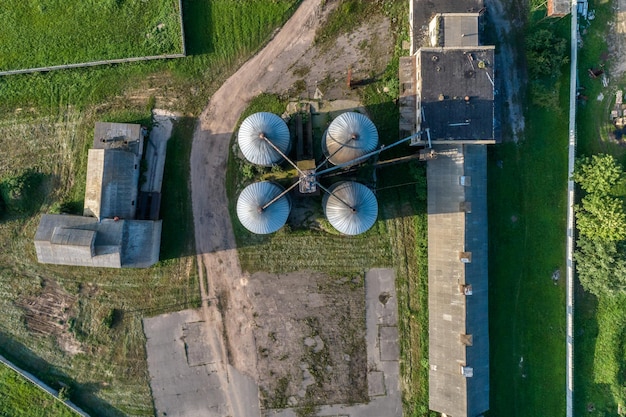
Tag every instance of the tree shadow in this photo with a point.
(23, 194)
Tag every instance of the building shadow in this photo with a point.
(197, 15)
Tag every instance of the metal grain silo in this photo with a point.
(349, 136)
(251, 212)
(351, 207)
(252, 136)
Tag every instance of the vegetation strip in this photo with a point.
(570, 233)
(36, 382)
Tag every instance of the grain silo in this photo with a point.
(254, 134)
(350, 207)
(349, 136)
(261, 210)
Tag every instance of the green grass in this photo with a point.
(21, 398)
(600, 353)
(527, 213)
(220, 34)
(47, 33)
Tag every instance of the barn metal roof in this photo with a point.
(250, 207)
(349, 136)
(254, 148)
(458, 281)
(351, 208)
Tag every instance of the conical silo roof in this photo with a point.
(349, 136)
(250, 204)
(254, 148)
(351, 208)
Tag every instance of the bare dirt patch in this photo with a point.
(310, 336)
(365, 50)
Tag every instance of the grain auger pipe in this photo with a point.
(266, 139)
(368, 155)
(279, 196)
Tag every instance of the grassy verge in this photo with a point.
(600, 353)
(20, 398)
(54, 34)
(527, 201)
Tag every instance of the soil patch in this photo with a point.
(310, 336)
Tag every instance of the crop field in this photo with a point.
(20, 398)
(46, 33)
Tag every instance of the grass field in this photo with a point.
(20, 398)
(600, 353)
(47, 33)
(46, 125)
(527, 201)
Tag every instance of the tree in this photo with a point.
(601, 266)
(601, 218)
(545, 53)
(599, 174)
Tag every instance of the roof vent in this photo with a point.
(435, 58)
(467, 371)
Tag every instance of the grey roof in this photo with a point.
(351, 208)
(254, 148)
(456, 93)
(124, 136)
(112, 184)
(458, 323)
(349, 136)
(454, 29)
(84, 241)
(250, 203)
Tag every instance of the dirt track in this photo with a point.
(221, 279)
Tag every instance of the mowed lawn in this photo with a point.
(46, 33)
(21, 398)
(527, 218)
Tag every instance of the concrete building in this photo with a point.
(107, 235)
(447, 96)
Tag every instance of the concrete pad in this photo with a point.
(389, 348)
(376, 384)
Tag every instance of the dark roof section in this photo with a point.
(422, 11)
(457, 257)
(457, 93)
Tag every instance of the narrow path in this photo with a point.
(569, 276)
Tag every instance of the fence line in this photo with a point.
(38, 383)
(569, 276)
(111, 61)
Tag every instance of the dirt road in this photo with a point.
(225, 307)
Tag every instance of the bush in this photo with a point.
(546, 53)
